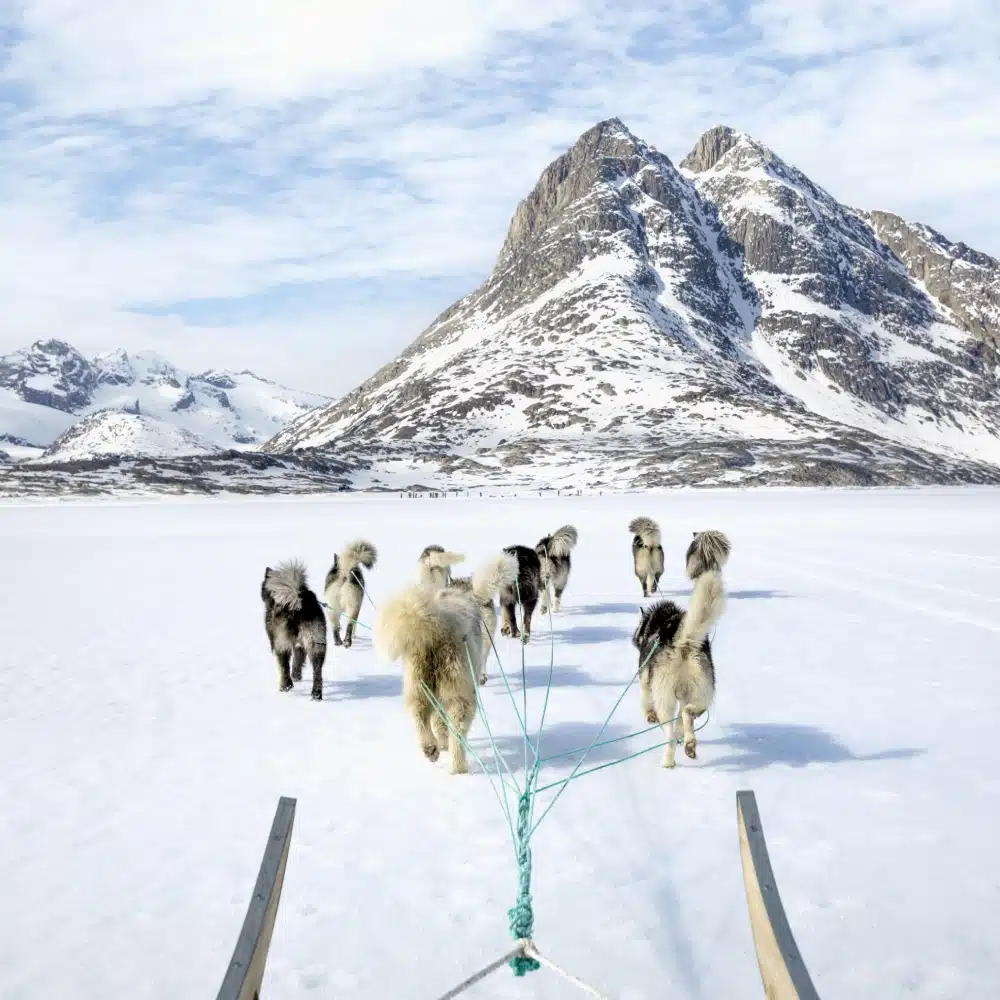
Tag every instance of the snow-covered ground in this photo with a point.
(145, 744)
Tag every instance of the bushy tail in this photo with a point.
(359, 552)
(709, 550)
(498, 573)
(286, 584)
(708, 601)
(563, 541)
(418, 622)
(647, 530)
(441, 560)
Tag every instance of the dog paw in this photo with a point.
(505, 630)
(317, 694)
(459, 768)
(337, 641)
(651, 718)
(689, 749)
(297, 675)
(483, 678)
(286, 687)
(347, 644)
(668, 763)
(431, 751)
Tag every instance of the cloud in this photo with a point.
(284, 182)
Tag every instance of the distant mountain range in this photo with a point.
(724, 321)
(57, 406)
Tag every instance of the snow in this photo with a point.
(146, 745)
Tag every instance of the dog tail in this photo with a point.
(647, 531)
(361, 553)
(437, 559)
(412, 624)
(708, 601)
(709, 550)
(286, 584)
(562, 542)
(498, 573)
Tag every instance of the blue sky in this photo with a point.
(299, 188)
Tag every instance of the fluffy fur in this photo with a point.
(678, 676)
(709, 550)
(295, 625)
(647, 553)
(527, 586)
(488, 580)
(434, 566)
(553, 552)
(345, 587)
(436, 633)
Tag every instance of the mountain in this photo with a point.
(56, 403)
(724, 321)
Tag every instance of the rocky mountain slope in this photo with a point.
(725, 321)
(56, 404)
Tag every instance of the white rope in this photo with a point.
(483, 973)
(532, 952)
(524, 948)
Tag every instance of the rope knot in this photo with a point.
(521, 915)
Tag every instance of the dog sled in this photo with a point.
(782, 970)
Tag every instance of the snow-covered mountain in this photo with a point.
(724, 321)
(56, 404)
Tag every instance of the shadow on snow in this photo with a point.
(759, 745)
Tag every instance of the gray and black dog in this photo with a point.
(525, 589)
(647, 553)
(296, 627)
(553, 551)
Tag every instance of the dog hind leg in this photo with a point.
(670, 732)
(284, 673)
(440, 730)
(508, 621)
(690, 743)
(527, 610)
(298, 659)
(460, 713)
(420, 709)
(317, 657)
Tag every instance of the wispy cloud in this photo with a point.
(301, 191)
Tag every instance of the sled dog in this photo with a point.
(677, 678)
(439, 637)
(295, 625)
(345, 587)
(647, 553)
(498, 573)
(523, 590)
(709, 550)
(553, 552)
(434, 565)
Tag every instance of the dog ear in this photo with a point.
(694, 534)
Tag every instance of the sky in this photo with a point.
(299, 188)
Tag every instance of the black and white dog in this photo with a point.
(345, 587)
(553, 552)
(677, 677)
(295, 625)
(524, 589)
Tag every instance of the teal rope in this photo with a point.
(521, 915)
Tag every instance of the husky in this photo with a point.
(647, 553)
(498, 573)
(553, 551)
(709, 550)
(440, 637)
(434, 566)
(677, 676)
(523, 590)
(345, 587)
(295, 625)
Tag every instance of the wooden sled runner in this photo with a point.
(782, 970)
